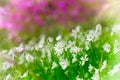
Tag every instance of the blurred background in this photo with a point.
(21, 20)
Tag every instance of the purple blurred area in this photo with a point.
(28, 14)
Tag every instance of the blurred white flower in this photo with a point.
(84, 59)
(116, 47)
(29, 57)
(74, 58)
(58, 37)
(50, 39)
(54, 65)
(115, 29)
(7, 77)
(64, 63)
(90, 68)
(96, 75)
(24, 75)
(75, 31)
(59, 47)
(75, 49)
(6, 65)
(103, 65)
(106, 47)
(77, 78)
(21, 59)
(114, 70)
(90, 36)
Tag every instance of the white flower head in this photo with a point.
(96, 75)
(54, 65)
(114, 70)
(90, 68)
(74, 59)
(24, 75)
(84, 59)
(115, 29)
(104, 65)
(90, 36)
(21, 59)
(98, 29)
(64, 63)
(7, 77)
(70, 44)
(59, 47)
(77, 78)
(29, 57)
(50, 39)
(6, 65)
(75, 49)
(106, 47)
(58, 37)
(116, 47)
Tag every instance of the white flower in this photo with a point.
(104, 65)
(98, 29)
(115, 29)
(6, 65)
(54, 65)
(75, 31)
(64, 63)
(21, 59)
(58, 37)
(84, 59)
(87, 45)
(96, 75)
(90, 36)
(77, 78)
(19, 48)
(70, 44)
(50, 39)
(74, 58)
(90, 68)
(116, 47)
(75, 49)
(114, 70)
(59, 47)
(106, 47)
(29, 57)
(7, 77)
(24, 75)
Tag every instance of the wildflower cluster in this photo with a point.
(81, 55)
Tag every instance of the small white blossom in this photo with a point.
(90, 36)
(75, 49)
(116, 47)
(114, 70)
(77, 78)
(74, 58)
(104, 65)
(90, 68)
(21, 59)
(6, 65)
(70, 44)
(50, 39)
(29, 57)
(24, 75)
(54, 65)
(58, 37)
(115, 29)
(64, 63)
(75, 31)
(84, 59)
(106, 47)
(96, 75)
(59, 47)
(7, 77)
